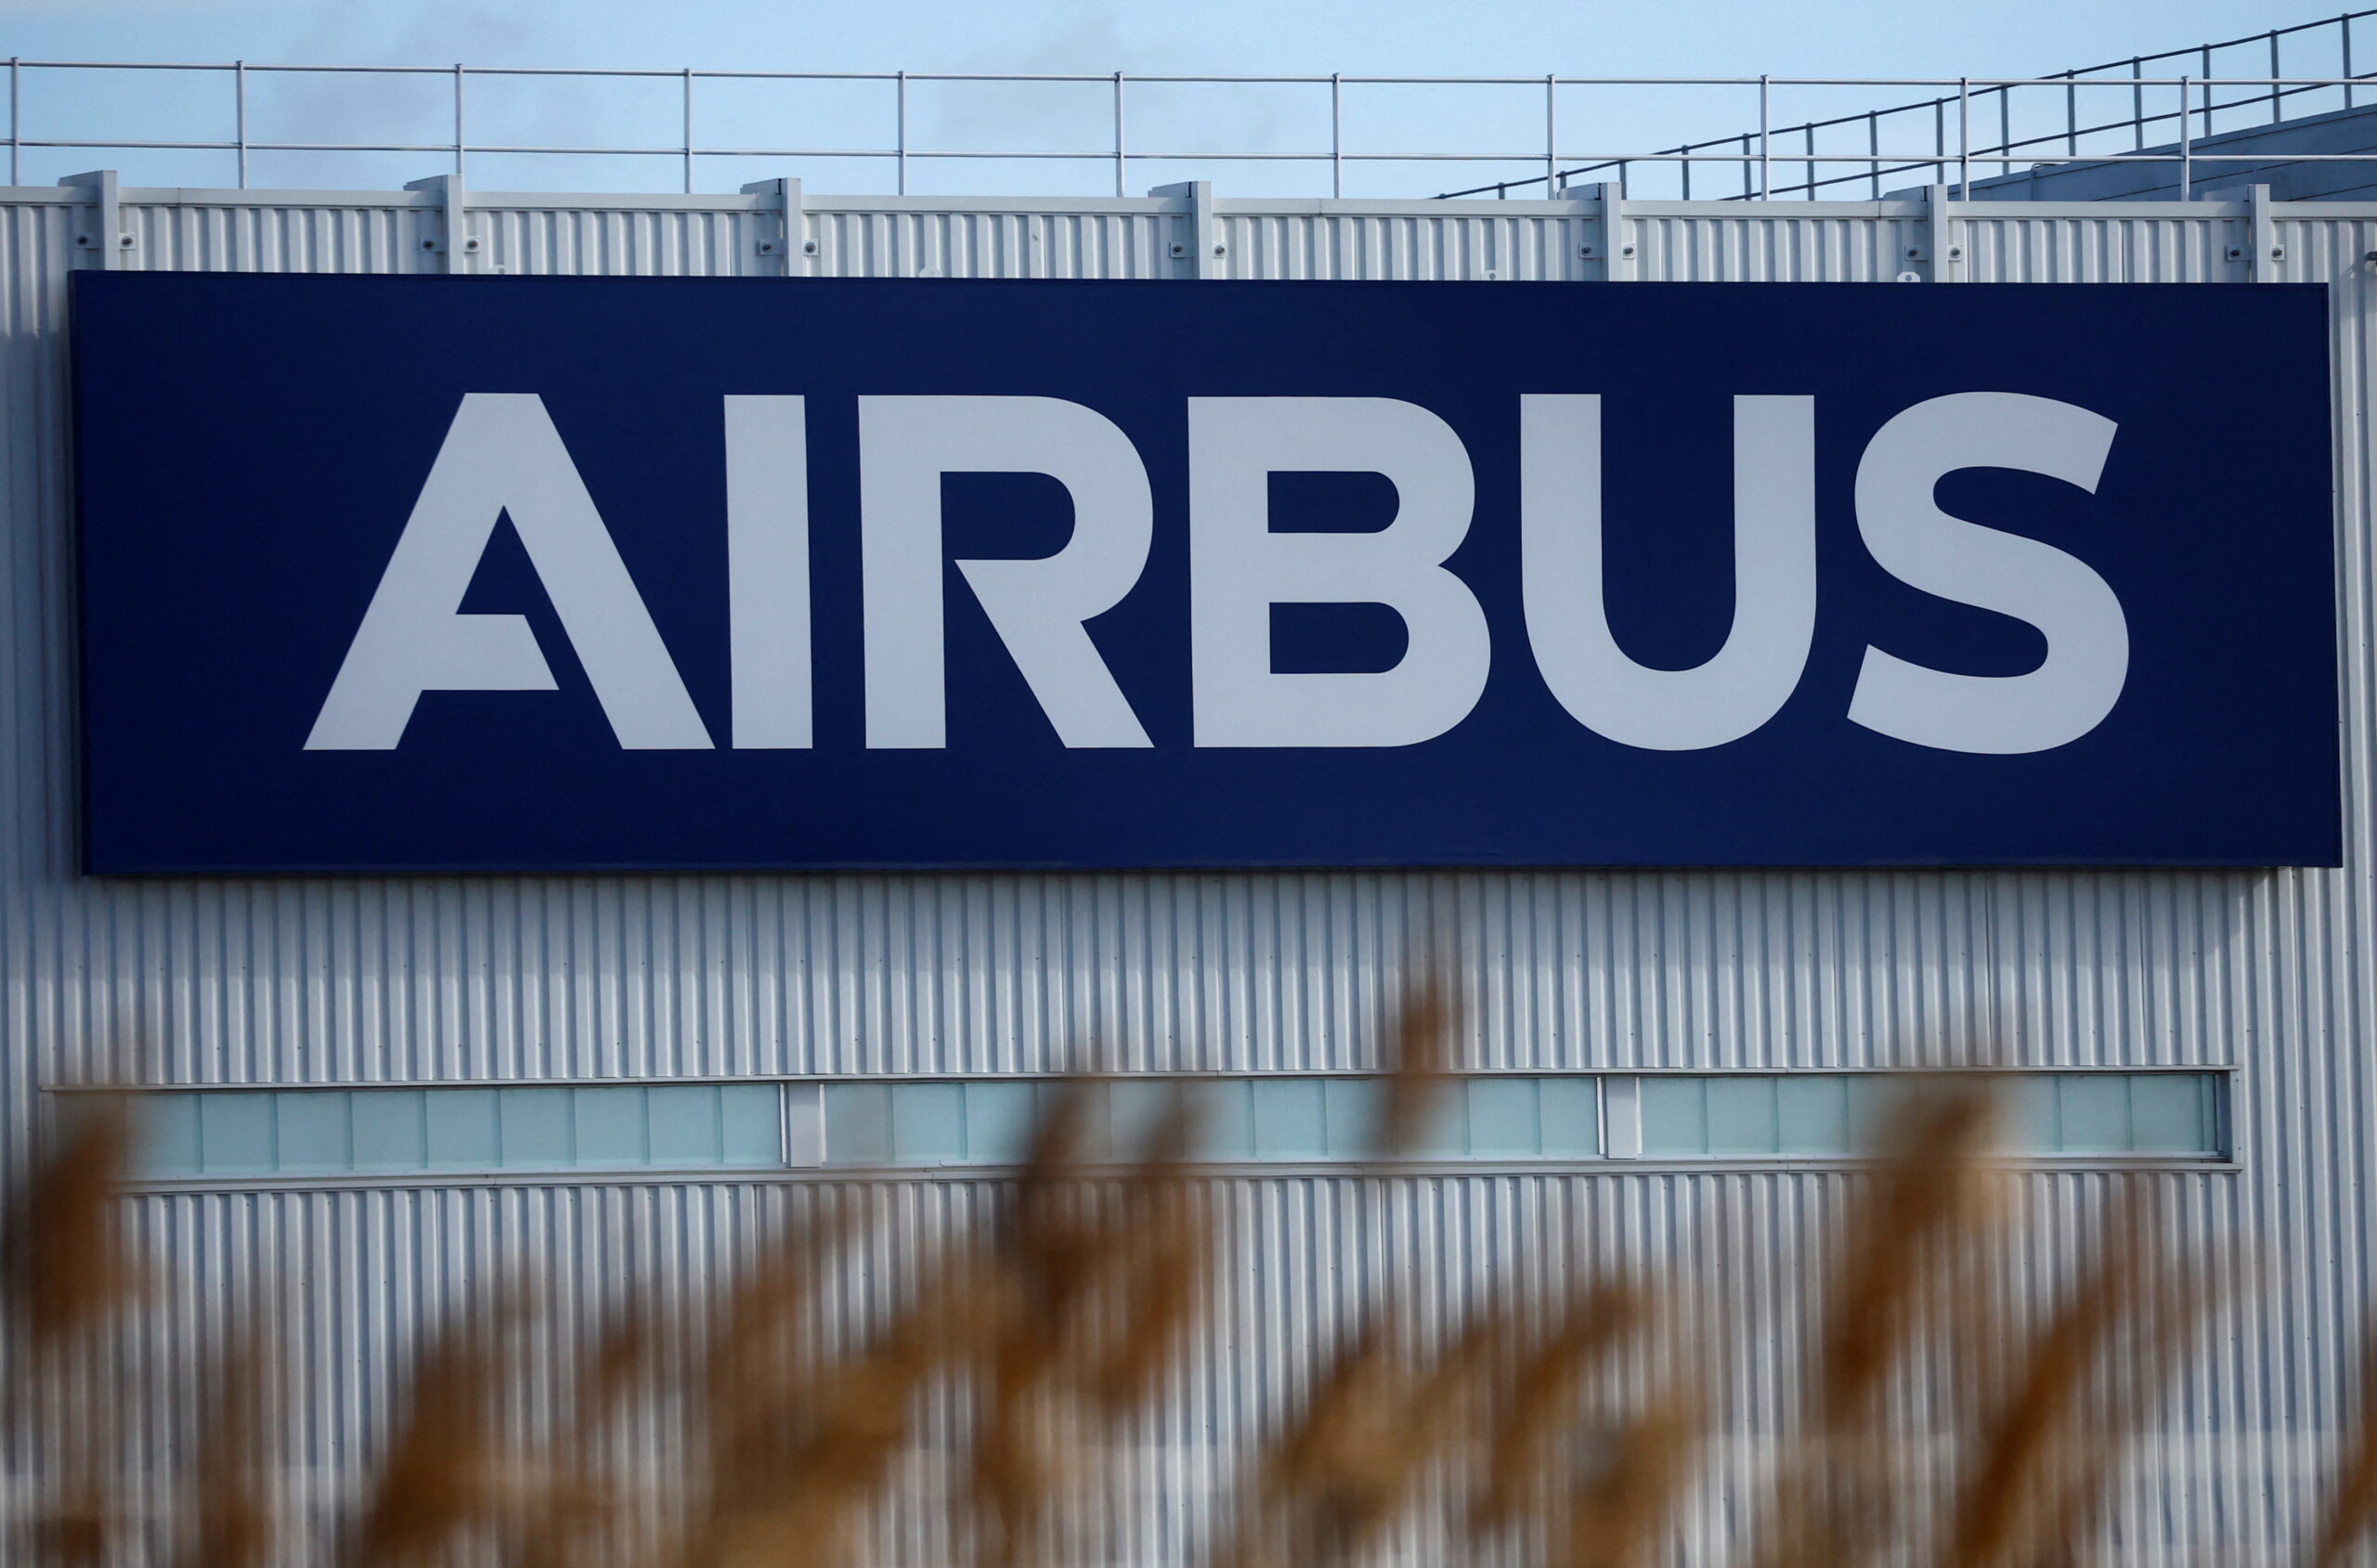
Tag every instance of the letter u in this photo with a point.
(1775, 579)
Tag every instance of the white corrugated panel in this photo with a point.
(411, 978)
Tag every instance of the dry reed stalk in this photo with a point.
(1418, 1053)
(1620, 1517)
(1538, 1403)
(2170, 1306)
(1832, 1506)
(1037, 1276)
(865, 1413)
(2033, 1440)
(1356, 1455)
(65, 1274)
(1335, 1475)
(756, 1392)
(2355, 1508)
(1095, 1298)
(570, 1518)
(232, 1524)
(446, 1473)
(1149, 1275)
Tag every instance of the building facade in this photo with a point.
(1681, 1048)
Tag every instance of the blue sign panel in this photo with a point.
(400, 574)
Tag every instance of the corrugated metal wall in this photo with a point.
(383, 979)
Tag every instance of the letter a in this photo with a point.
(503, 456)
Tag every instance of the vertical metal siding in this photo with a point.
(398, 979)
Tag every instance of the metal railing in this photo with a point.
(2271, 91)
(2193, 100)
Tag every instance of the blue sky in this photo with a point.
(1725, 37)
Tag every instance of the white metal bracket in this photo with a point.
(1614, 251)
(453, 240)
(1943, 240)
(2267, 260)
(790, 243)
(106, 236)
(1204, 249)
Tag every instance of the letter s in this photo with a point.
(2087, 638)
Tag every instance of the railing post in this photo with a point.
(1872, 156)
(1121, 183)
(460, 146)
(2275, 90)
(1551, 134)
(2344, 29)
(16, 95)
(1336, 134)
(903, 134)
(2186, 141)
(2137, 102)
(689, 130)
(239, 97)
(1765, 128)
(1964, 138)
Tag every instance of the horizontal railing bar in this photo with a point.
(1983, 84)
(1906, 160)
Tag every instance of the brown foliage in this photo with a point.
(1562, 1423)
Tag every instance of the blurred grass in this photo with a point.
(1563, 1422)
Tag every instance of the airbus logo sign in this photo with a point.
(675, 574)
(503, 460)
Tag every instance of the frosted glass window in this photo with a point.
(533, 1128)
(610, 1126)
(2096, 1112)
(313, 1134)
(2168, 1113)
(235, 1133)
(1569, 1112)
(391, 1129)
(1135, 1113)
(1351, 1107)
(1747, 1115)
(751, 1119)
(1227, 1129)
(374, 1131)
(1741, 1116)
(998, 1122)
(927, 1122)
(1284, 1119)
(1501, 1117)
(2033, 1119)
(165, 1130)
(1289, 1121)
(1675, 1116)
(1812, 1115)
(461, 1128)
(681, 1124)
(858, 1123)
